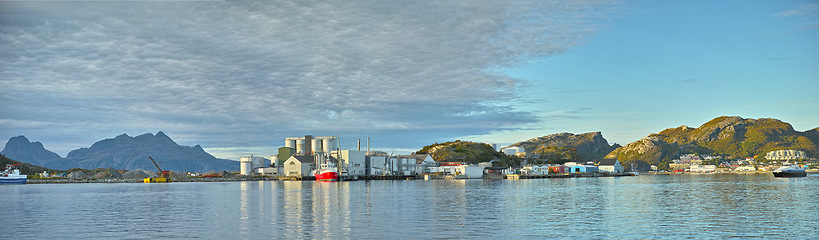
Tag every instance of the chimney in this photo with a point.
(359, 144)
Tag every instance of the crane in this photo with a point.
(162, 176)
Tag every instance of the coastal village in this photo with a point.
(302, 157)
(307, 157)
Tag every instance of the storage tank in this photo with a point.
(315, 145)
(329, 144)
(290, 142)
(300, 146)
(245, 165)
(257, 162)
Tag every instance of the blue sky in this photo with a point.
(239, 77)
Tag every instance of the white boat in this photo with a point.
(12, 175)
(790, 171)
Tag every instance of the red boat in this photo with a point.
(327, 173)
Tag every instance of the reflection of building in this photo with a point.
(785, 155)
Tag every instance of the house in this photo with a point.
(299, 166)
(536, 170)
(610, 165)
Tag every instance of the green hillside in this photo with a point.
(470, 152)
(725, 136)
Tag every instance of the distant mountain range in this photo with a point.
(121, 152)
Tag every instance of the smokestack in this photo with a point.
(359, 144)
(368, 144)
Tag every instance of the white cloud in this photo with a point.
(229, 74)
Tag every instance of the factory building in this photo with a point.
(309, 145)
(247, 165)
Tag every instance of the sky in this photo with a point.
(237, 77)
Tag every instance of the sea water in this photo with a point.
(692, 206)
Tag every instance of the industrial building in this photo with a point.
(248, 165)
(309, 145)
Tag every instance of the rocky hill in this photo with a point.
(590, 146)
(129, 153)
(727, 136)
(465, 151)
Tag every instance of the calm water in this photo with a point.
(711, 206)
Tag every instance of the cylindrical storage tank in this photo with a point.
(329, 144)
(291, 143)
(315, 145)
(300, 146)
(245, 165)
(258, 162)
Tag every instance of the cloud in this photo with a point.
(250, 72)
(806, 10)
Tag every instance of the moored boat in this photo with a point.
(790, 171)
(327, 173)
(12, 175)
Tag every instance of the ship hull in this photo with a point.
(786, 174)
(13, 180)
(327, 177)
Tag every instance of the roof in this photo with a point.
(608, 162)
(303, 158)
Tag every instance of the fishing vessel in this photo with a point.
(12, 175)
(327, 172)
(790, 171)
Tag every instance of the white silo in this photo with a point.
(300, 146)
(290, 142)
(315, 145)
(245, 165)
(329, 144)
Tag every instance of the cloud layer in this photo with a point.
(238, 73)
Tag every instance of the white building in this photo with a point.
(247, 165)
(309, 145)
(785, 155)
(375, 165)
(702, 168)
(354, 162)
(512, 151)
(610, 165)
(299, 166)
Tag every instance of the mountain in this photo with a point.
(727, 136)
(131, 153)
(590, 146)
(465, 151)
(21, 149)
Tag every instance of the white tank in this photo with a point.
(291, 143)
(329, 144)
(300, 146)
(315, 145)
(245, 165)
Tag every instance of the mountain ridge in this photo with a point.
(123, 152)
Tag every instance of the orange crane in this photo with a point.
(162, 176)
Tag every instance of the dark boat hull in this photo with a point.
(790, 174)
